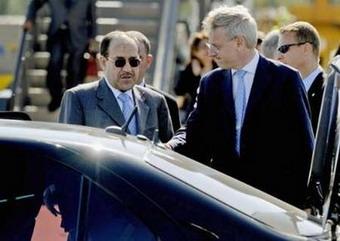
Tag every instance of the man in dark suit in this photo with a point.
(72, 30)
(146, 61)
(299, 47)
(99, 104)
(251, 119)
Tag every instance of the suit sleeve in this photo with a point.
(192, 140)
(91, 18)
(165, 124)
(71, 110)
(299, 136)
(33, 7)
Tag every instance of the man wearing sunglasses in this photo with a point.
(251, 119)
(111, 100)
(299, 47)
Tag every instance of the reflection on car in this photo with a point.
(106, 186)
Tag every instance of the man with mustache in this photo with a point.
(110, 100)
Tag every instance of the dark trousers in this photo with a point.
(58, 46)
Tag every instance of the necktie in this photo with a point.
(240, 105)
(127, 108)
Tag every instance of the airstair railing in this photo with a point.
(164, 64)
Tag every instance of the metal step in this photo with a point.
(125, 10)
(41, 59)
(39, 96)
(42, 25)
(36, 77)
(40, 113)
(106, 25)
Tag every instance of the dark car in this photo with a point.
(108, 186)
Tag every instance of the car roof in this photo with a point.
(233, 193)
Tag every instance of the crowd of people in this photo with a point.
(251, 114)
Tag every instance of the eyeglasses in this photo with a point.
(216, 49)
(285, 48)
(120, 62)
(212, 47)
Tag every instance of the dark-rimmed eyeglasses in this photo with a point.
(285, 48)
(120, 62)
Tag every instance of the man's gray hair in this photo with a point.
(270, 44)
(236, 21)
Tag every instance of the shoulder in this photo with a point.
(166, 95)
(215, 75)
(275, 66)
(83, 88)
(148, 94)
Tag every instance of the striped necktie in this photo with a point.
(127, 108)
(240, 105)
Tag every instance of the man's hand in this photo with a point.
(28, 25)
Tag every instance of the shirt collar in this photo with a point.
(251, 66)
(117, 92)
(308, 81)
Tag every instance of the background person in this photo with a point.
(299, 47)
(270, 44)
(72, 30)
(189, 78)
(144, 46)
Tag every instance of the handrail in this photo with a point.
(166, 44)
(16, 86)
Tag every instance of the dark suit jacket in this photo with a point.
(276, 138)
(315, 94)
(80, 17)
(172, 105)
(93, 104)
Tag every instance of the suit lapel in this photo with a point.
(227, 93)
(108, 103)
(260, 83)
(316, 86)
(142, 108)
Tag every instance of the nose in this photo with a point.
(280, 56)
(211, 52)
(127, 66)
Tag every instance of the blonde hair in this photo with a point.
(304, 32)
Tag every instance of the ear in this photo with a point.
(308, 47)
(102, 61)
(149, 59)
(240, 41)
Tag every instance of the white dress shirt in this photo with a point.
(250, 68)
(308, 81)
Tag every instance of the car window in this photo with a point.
(34, 184)
(109, 219)
(25, 177)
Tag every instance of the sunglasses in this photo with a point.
(285, 48)
(120, 62)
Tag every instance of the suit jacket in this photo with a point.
(172, 105)
(80, 17)
(315, 94)
(93, 104)
(276, 136)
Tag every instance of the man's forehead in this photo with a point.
(218, 32)
(123, 49)
(286, 37)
